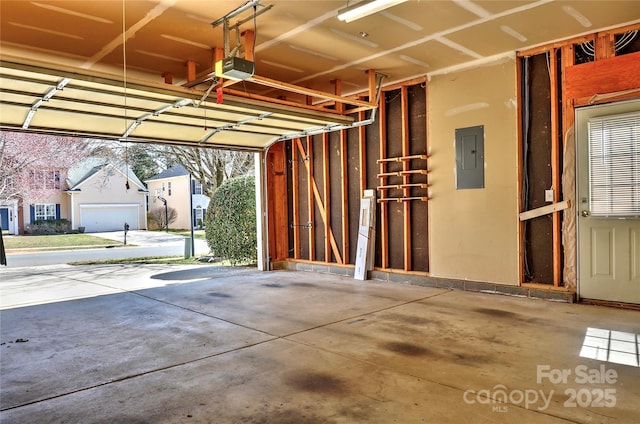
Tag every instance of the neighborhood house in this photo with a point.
(174, 185)
(96, 196)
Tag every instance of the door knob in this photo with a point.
(585, 213)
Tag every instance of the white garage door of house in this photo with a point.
(100, 218)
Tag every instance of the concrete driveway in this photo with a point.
(201, 344)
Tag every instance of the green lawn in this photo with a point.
(56, 241)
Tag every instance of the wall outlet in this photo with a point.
(548, 195)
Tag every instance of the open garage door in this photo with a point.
(101, 218)
(42, 97)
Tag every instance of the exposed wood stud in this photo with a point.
(555, 169)
(338, 91)
(191, 70)
(314, 194)
(326, 188)
(402, 158)
(402, 186)
(406, 190)
(521, 250)
(362, 154)
(568, 60)
(604, 46)
(344, 178)
(384, 211)
(545, 48)
(295, 198)
(249, 42)
(402, 199)
(168, 77)
(268, 82)
(277, 202)
(311, 206)
(371, 74)
(426, 150)
(401, 173)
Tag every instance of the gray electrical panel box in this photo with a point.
(470, 157)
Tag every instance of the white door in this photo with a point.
(608, 201)
(102, 218)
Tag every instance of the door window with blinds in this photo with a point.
(614, 165)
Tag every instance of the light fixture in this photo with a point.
(365, 8)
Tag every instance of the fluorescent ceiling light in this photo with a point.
(365, 8)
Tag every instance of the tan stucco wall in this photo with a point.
(58, 197)
(179, 199)
(474, 232)
(108, 187)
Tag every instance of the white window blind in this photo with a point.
(614, 165)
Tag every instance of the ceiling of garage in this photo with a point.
(67, 58)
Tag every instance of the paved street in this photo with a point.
(139, 243)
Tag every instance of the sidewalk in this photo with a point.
(153, 238)
(135, 239)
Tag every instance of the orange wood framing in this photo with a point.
(580, 85)
(555, 169)
(362, 154)
(384, 210)
(277, 202)
(326, 188)
(319, 200)
(344, 195)
(295, 198)
(406, 190)
(314, 194)
(310, 203)
(610, 75)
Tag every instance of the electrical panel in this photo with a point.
(470, 157)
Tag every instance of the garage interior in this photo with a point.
(178, 344)
(460, 116)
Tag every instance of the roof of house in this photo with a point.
(174, 171)
(84, 170)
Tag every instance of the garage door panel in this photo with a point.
(108, 218)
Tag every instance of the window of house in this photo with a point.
(45, 211)
(197, 187)
(198, 216)
(169, 188)
(45, 179)
(614, 165)
(7, 186)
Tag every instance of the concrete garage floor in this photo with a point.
(174, 344)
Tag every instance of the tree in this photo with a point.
(27, 160)
(211, 167)
(231, 220)
(144, 160)
(157, 216)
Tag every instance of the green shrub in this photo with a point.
(230, 223)
(48, 227)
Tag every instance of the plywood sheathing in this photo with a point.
(277, 201)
